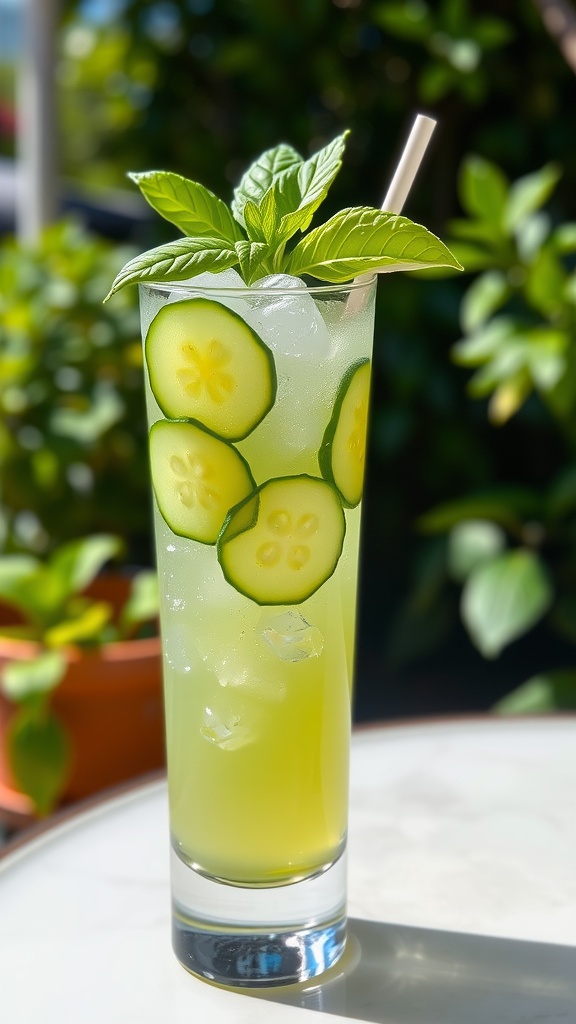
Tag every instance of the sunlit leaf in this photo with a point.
(78, 562)
(361, 239)
(84, 627)
(143, 602)
(528, 194)
(504, 598)
(30, 677)
(487, 294)
(191, 207)
(260, 175)
(176, 261)
(251, 258)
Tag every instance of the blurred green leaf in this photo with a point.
(409, 20)
(144, 600)
(503, 598)
(507, 506)
(14, 569)
(88, 424)
(484, 342)
(564, 238)
(84, 626)
(472, 542)
(28, 678)
(531, 234)
(487, 294)
(78, 562)
(561, 495)
(545, 284)
(40, 755)
(484, 190)
(548, 691)
(528, 194)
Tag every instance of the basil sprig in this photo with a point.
(275, 200)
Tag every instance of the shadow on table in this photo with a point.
(394, 974)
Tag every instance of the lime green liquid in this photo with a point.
(258, 698)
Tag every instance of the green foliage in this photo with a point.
(72, 425)
(55, 611)
(202, 85)
(512, 550)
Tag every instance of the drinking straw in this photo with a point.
(409, 163)
(401, 184)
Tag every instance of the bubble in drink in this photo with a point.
(291, 637)
(177, 651)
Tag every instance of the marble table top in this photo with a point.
(462, 895)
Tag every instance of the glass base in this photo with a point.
(255, 937)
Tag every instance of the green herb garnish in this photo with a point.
(276, 199)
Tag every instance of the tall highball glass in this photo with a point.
(257, 403)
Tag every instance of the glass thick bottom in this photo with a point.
(258, 937)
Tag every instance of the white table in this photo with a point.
(462, 895)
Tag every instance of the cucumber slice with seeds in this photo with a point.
(342, 454)
(206, 364)
(197, 478)
(280, 544)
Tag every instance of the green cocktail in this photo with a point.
(257, 391)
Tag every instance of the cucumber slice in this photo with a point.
(280, 544)
(206, 364)
(342, 453)
(197, 478)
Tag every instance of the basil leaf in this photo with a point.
(294, 195)
(251, 256)
(176, 261)
(362, 239)
(300, 191)
(262, 220)
(191, 207)
(260, 175)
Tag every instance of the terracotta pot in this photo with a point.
(110, 702)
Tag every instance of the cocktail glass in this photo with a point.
(258, 615)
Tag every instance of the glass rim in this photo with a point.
(321, 289)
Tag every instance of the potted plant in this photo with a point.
(80, 675)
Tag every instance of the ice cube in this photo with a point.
(207, 281)
(291, 637)
(228, 733)
(291, 324)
